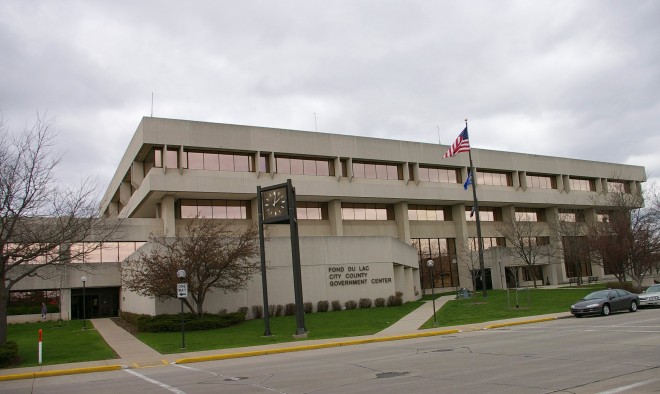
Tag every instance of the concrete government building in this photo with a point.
(371, 212)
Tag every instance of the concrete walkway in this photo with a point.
(130, 349)
(414, 320)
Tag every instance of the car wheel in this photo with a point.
(606, 310)
(633, 306)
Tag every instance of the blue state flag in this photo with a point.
(468, 181)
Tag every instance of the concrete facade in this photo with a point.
(148, 195)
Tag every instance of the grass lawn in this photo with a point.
(67, 343)
(496, 306)
(337, 324)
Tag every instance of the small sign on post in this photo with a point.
(182, 290)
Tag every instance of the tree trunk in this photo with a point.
(4, 303)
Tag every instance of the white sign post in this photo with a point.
(182, 290)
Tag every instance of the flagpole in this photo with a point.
(476, 211)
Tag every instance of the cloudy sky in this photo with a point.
(577, 79)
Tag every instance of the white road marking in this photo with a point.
(630, 386)
(195, 369)
(161, 384)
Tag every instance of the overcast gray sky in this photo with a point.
(577, 79)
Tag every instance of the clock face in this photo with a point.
(275, 203)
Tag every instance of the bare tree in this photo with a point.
(627, 241)
(40, 218)
(525, 241)
(213, 254)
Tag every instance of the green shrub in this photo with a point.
(336, 305)
(379, 302)
(271, 310)
(30, 310)
(322, 306)
(365, 303)
(8, 353)
(351, 304)
(308, 307)
(394, 300)
(172, 323)
(278, 310)
(620, 285)
(243, 310)
(289, 309)
(257, 311)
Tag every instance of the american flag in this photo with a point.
(462, 144)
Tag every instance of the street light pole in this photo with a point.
(181, 274)
(430, 264)
(84, 279)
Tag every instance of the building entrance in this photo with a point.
(477, 279)
(99, 302)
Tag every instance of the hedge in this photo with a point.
(172, 323)
(8, 353)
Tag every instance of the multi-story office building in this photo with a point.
(371, 212)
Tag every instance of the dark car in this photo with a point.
(605, 301)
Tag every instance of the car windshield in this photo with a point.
(653, 289)
(597, 294)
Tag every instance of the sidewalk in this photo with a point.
(135, 354)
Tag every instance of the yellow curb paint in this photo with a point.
(435, 333)
(302, 348)
(165, 362)
(221, 357)
(59, 372)
(517, 323)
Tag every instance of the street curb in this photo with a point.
(215, 357)
(517, 323)
(60, 372)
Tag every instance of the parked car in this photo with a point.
(604, 302)
(650, 296)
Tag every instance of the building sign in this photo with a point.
(354, 275)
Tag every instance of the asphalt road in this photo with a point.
(615, 354)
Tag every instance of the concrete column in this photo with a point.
(65, 304)
(460, 226)
(400, 281)
(567, 183)
(523, 179)
(257, 166)
(560, 183)
(337, 164)
(508, 213)
(113, 210)
(271, 164)
(402, 223)
(515, 180)
(464, 174)
(599, 185)
(604, 189)
(167, 214)
(124, 192)
(334, 215)
(406, 172)
(416, 172)
(254, 210)
(164, 158)
(137, 174)
(180, 160)
(555, 260)
(349, 168)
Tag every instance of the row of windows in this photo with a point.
(358, 211)
(488, 242)
(541, 181)
(244, 162)
(297, 166)
(429, 212)
(90, 252)
(234, 209)
(215, 209)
